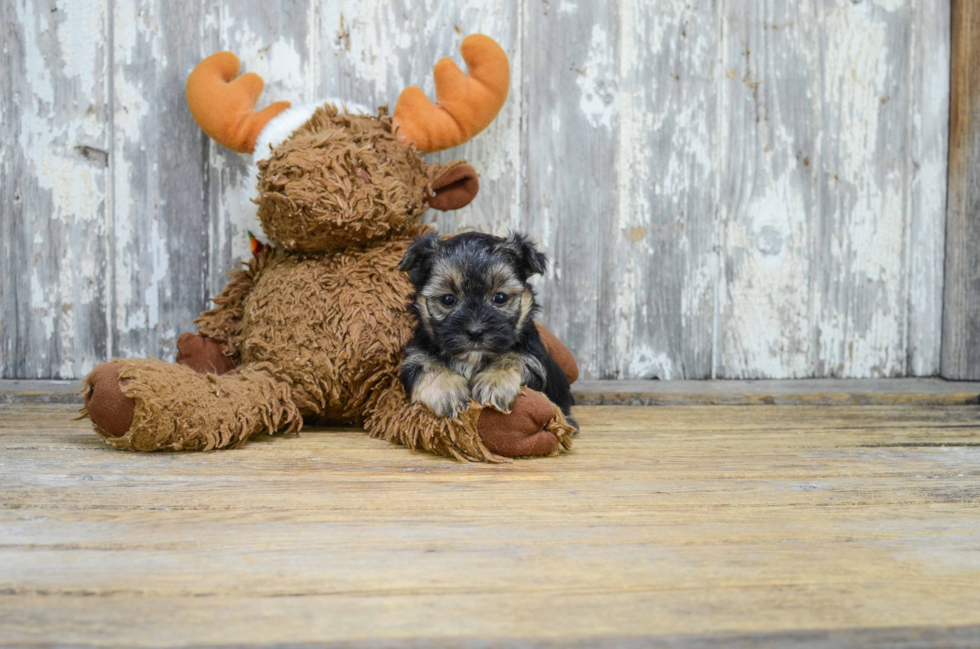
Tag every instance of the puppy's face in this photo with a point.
(473, 299)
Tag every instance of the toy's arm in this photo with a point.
(222, 324)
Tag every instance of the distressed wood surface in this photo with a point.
(731, 190)
(732, 392)
(660, 261)
(55, 112)
(929, 144)
(799, 392)
(686, 526)
(159, 255)
(961, 319)
(827, 220)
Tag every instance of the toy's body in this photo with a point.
(315, 326)
(344, 318)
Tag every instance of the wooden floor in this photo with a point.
(707, 526)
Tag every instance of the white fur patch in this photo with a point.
(499, 383)
(443, 391)
(279, 129)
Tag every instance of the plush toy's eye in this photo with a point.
(448, 300)
(500, 298)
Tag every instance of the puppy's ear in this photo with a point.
(417, 261)
(526, 257)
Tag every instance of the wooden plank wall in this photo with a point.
(961, 320)
(730, 189)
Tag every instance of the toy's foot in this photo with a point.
(203, 355)
(107, 406)
(531, 428)
(149, 405)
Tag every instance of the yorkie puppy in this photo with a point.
(475, 336)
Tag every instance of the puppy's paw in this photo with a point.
(443, 392)
(448, 404)
(497, 388)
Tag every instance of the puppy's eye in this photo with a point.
(500, 298)
(448, 300)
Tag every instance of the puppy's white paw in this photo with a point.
(443, 392)
(497, 388)
(448, 404)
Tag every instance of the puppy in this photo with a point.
(475, 336)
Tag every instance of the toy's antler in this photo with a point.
(466, 104)
(223, 105)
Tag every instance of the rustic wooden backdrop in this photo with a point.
(737, 188)
(961, 303)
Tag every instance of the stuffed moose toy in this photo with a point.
(315, 325)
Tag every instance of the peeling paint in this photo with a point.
(645, 363)
(57, 196)
(672, 158)
(598, 80)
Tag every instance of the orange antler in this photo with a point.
(466, 104)
(223, 105)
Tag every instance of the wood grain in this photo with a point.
(961, 324)
(659, 260)
(159, 234)
(929, 143)
(830, 392)
(571, 98)
(816, 207)
(684, 526)
(730, 190)
(54, 199)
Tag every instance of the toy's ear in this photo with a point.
(455, 186)
(527, 259)
(417, 261)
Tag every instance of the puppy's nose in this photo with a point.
(475, 332)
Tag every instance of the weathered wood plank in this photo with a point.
(861, 170)
(160, 222)
(961, 315)
(766, 202)
(910, 391)
(724, 523)
(40, 391)
(317, 614)
(929, 71)
(53, 206)
(706, 178)
(815, 201)
(569, 152)
(659, 261)
(734, 392)
(371, 51)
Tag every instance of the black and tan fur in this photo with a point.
(475, 337)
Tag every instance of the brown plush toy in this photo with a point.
(316, 324)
